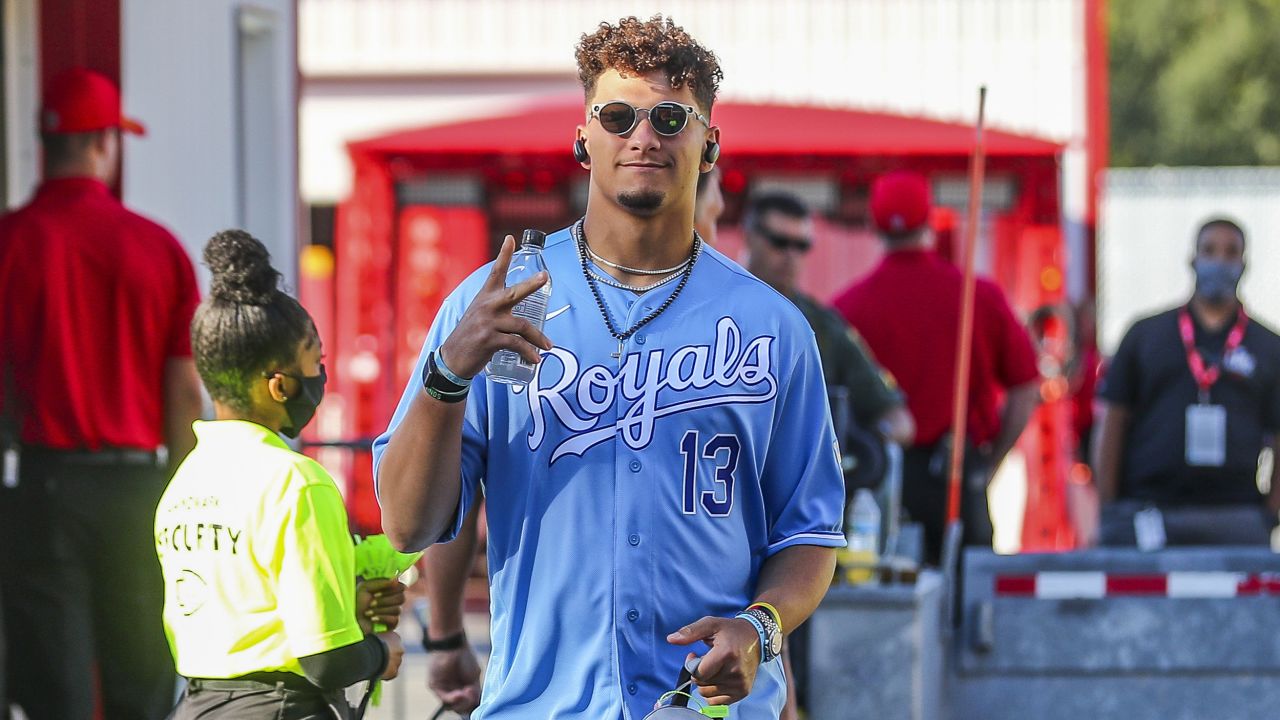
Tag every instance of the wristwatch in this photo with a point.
(449, 642)
(770, 632)
(438, 385)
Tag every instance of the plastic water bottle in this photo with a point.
(862, 534)
(507, 366)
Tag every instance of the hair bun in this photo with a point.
(241, 267)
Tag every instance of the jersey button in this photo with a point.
(631, 688)
(634, 539)
(635, 466)
(633, 615)
(640, 339)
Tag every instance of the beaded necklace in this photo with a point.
(619, 335)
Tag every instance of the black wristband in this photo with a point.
(435, 384)
(451, 642)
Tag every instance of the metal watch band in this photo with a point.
(773, 634)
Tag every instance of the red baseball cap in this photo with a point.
(81, 100)
(900, 201)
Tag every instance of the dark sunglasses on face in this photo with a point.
(667, 118)
(785, 242)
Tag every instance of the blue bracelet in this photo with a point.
(764, 637)
(449, 374)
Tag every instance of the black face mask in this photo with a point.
(301, 407)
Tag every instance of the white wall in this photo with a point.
(913, 57)
(20, 24)
(1146, 231)
(180, 75)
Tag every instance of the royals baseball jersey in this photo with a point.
(629, 496)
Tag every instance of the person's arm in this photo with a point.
(793, 581)
(183, 404)
(420, 466)
(1109, 438)
(453, 675)
(803, 491)
(1019, 403)
(376, 656)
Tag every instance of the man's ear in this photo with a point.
(710, 150)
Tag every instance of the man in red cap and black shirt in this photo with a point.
(96, 376)
(908, 311)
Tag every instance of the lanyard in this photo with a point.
(1205, 377)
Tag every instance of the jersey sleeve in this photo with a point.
(1119, 381)
(801, 481)
(314, 566)
(474, 438)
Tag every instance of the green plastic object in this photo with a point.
(376, 558)
(716, 711)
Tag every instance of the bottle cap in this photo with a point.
(533, 237)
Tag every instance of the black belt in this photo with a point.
(255, 681)
(105, 456)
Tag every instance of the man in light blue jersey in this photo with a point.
(669, 483)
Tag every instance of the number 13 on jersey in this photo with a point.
(715, 494)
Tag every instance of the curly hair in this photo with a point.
(246, 325)
(657, 45)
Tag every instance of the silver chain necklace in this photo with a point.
(621, 335)
(607, 280)
(637, 271)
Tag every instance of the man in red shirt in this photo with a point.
(96, 377)
(908, 311)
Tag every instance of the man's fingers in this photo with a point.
(521, 347)
(524, 289)
(711, 664)
(698, 630)
(498, 273)
(513, 325)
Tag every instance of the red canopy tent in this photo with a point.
(747, 129)
(398, 255)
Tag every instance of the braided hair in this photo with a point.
(246, 325)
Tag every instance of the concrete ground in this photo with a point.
(408, 697)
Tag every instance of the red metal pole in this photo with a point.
(964, 339)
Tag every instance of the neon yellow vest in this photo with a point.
(258, 562)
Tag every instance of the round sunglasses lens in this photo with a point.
(668, 118)
(617, 117)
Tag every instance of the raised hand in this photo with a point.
(488, 326)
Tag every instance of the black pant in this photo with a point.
(924, 496)
(83, 590)
(259, 702)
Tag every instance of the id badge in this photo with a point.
(10, 475)
(1148, 529)
(1206, 435)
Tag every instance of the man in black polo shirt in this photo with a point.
(1188, 402)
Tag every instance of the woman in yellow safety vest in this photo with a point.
(261, 602)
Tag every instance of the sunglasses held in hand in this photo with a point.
(667, 118)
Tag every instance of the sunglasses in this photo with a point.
(785, 242)
(667, 118)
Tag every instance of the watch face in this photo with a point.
(775, 644)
